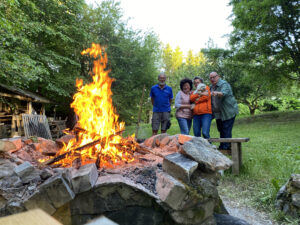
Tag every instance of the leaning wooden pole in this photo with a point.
(140, 112)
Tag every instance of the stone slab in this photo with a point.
(296, 200)
(6, 168)
(27, 172)
(58, 191)
(194, 215)
(173, 193)
(151, 142)
(85, 178)
(6, 146)
(295, 180)
(179, 166)
(200, 150)
(39, 200)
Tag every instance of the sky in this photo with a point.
(188, 24)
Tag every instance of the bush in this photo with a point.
(281, 104)
(243, 110)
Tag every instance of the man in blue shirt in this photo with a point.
(161, 98)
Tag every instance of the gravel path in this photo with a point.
(247, 213)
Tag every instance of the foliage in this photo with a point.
(249, 85)
(41, 43)
(270, 37)
(177, 66)
(288, 100)
(243, 110)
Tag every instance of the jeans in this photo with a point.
(202, 122)
(225, 129)
(185, 125)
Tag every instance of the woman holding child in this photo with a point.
(202, 113)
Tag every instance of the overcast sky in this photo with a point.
(185, 23)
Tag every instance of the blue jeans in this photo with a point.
(185, 125)
(225, 129)
(202, 122)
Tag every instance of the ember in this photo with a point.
(98, 133)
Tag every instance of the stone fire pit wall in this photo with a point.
(179, 188)
(288, 197)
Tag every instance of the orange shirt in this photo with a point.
(202, 104)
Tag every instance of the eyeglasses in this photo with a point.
(213, 77)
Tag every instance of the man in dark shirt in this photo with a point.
(161, 98)
(224, 107)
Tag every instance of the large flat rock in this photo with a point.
(200, 150)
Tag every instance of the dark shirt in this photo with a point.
(227, 103)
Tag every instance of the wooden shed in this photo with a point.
(13, 103)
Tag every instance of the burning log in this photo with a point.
(91, 144)
(142, 149)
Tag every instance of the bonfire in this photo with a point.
(98, 133)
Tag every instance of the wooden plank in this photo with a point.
(29, 107)
(32, 217)
(15, 96)
(235, 158)
(228, 140)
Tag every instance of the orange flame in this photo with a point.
(98, 132)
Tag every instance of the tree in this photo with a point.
(249, 85)
(41, 44)
(268, 32)
(172, 59)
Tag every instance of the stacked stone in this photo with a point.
(288, 197)
(185, 188)
(187, 184)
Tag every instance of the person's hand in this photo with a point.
(192, 106)
(216, 93)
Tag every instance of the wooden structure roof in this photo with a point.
(14, 92)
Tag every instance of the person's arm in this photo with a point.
(171, 96)
(225, 90)
(177, 101)
(217, 93)
(194, 97)
(152, 96)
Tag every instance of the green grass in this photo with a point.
(269, 158)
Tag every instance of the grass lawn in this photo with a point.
(269, 158)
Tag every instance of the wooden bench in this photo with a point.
(235, 152)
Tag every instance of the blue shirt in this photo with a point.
(161, 98)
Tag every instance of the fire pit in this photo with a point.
(93, 170)
(172, 182)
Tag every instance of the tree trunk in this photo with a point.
(252, 111)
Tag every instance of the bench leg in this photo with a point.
(240, 153)
(236, 158)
